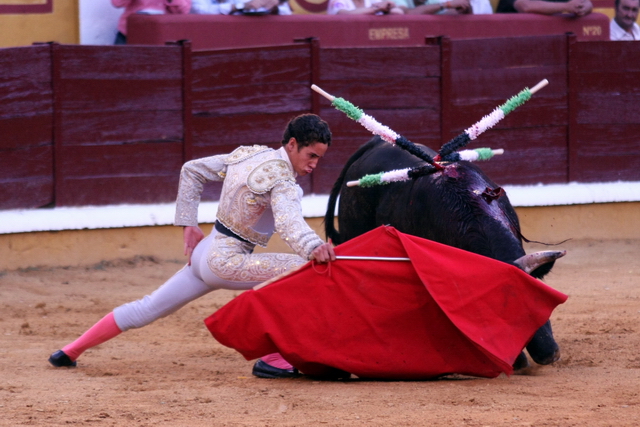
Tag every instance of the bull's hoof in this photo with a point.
(549, 359)
(332, 374)
(522, 362)
(543, 348)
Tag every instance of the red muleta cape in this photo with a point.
(446, 311)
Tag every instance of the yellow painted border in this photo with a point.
(87, 247)
(62, 26)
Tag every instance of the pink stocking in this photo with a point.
(277, 361)
(104, 330)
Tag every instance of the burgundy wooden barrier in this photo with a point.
(94, 125)
(222, 31)
(604, 143)
(485, 73)
(247, 96)
(118, 123)
(400, 87)
(26, 148)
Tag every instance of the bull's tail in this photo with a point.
(329, 217)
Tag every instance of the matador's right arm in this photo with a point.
(193, 176)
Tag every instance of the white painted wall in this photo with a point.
(313, 206)
(98, 22)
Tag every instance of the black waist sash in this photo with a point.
(220, 228)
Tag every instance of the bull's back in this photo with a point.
(363, 209)
(448, 206)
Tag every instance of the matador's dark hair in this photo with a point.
(307, 129)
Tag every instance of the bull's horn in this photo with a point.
(532, 261)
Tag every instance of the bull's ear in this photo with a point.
(540, 263)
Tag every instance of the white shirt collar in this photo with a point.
(285, 157)
(617, 33)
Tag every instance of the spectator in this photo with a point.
(451, 7)
(230, 7)
(623, 25)
(546, 7)
(153, 7)
(363, 7)
(433, 7)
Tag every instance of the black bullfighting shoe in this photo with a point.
(59, 359)
(264, 370)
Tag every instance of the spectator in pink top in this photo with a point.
(146, 6)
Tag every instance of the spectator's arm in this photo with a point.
(177, 6)
(121, 3)
(584, 8)
(284, 9)
(261, 4)
(459, 6)
(577, 7)
(425, 9)
(382, 6)
(358, 11)
(208, 7)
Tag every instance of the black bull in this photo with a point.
(458, 206)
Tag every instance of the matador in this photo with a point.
(259, 196)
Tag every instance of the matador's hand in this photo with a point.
(192, 236)
(324, 252)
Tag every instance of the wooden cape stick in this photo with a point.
(371, 258)
(345, 257)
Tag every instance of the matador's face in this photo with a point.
(304, 160)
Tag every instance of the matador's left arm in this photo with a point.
(286, 204)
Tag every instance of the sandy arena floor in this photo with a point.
(173, 373)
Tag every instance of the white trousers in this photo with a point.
(198, 279)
